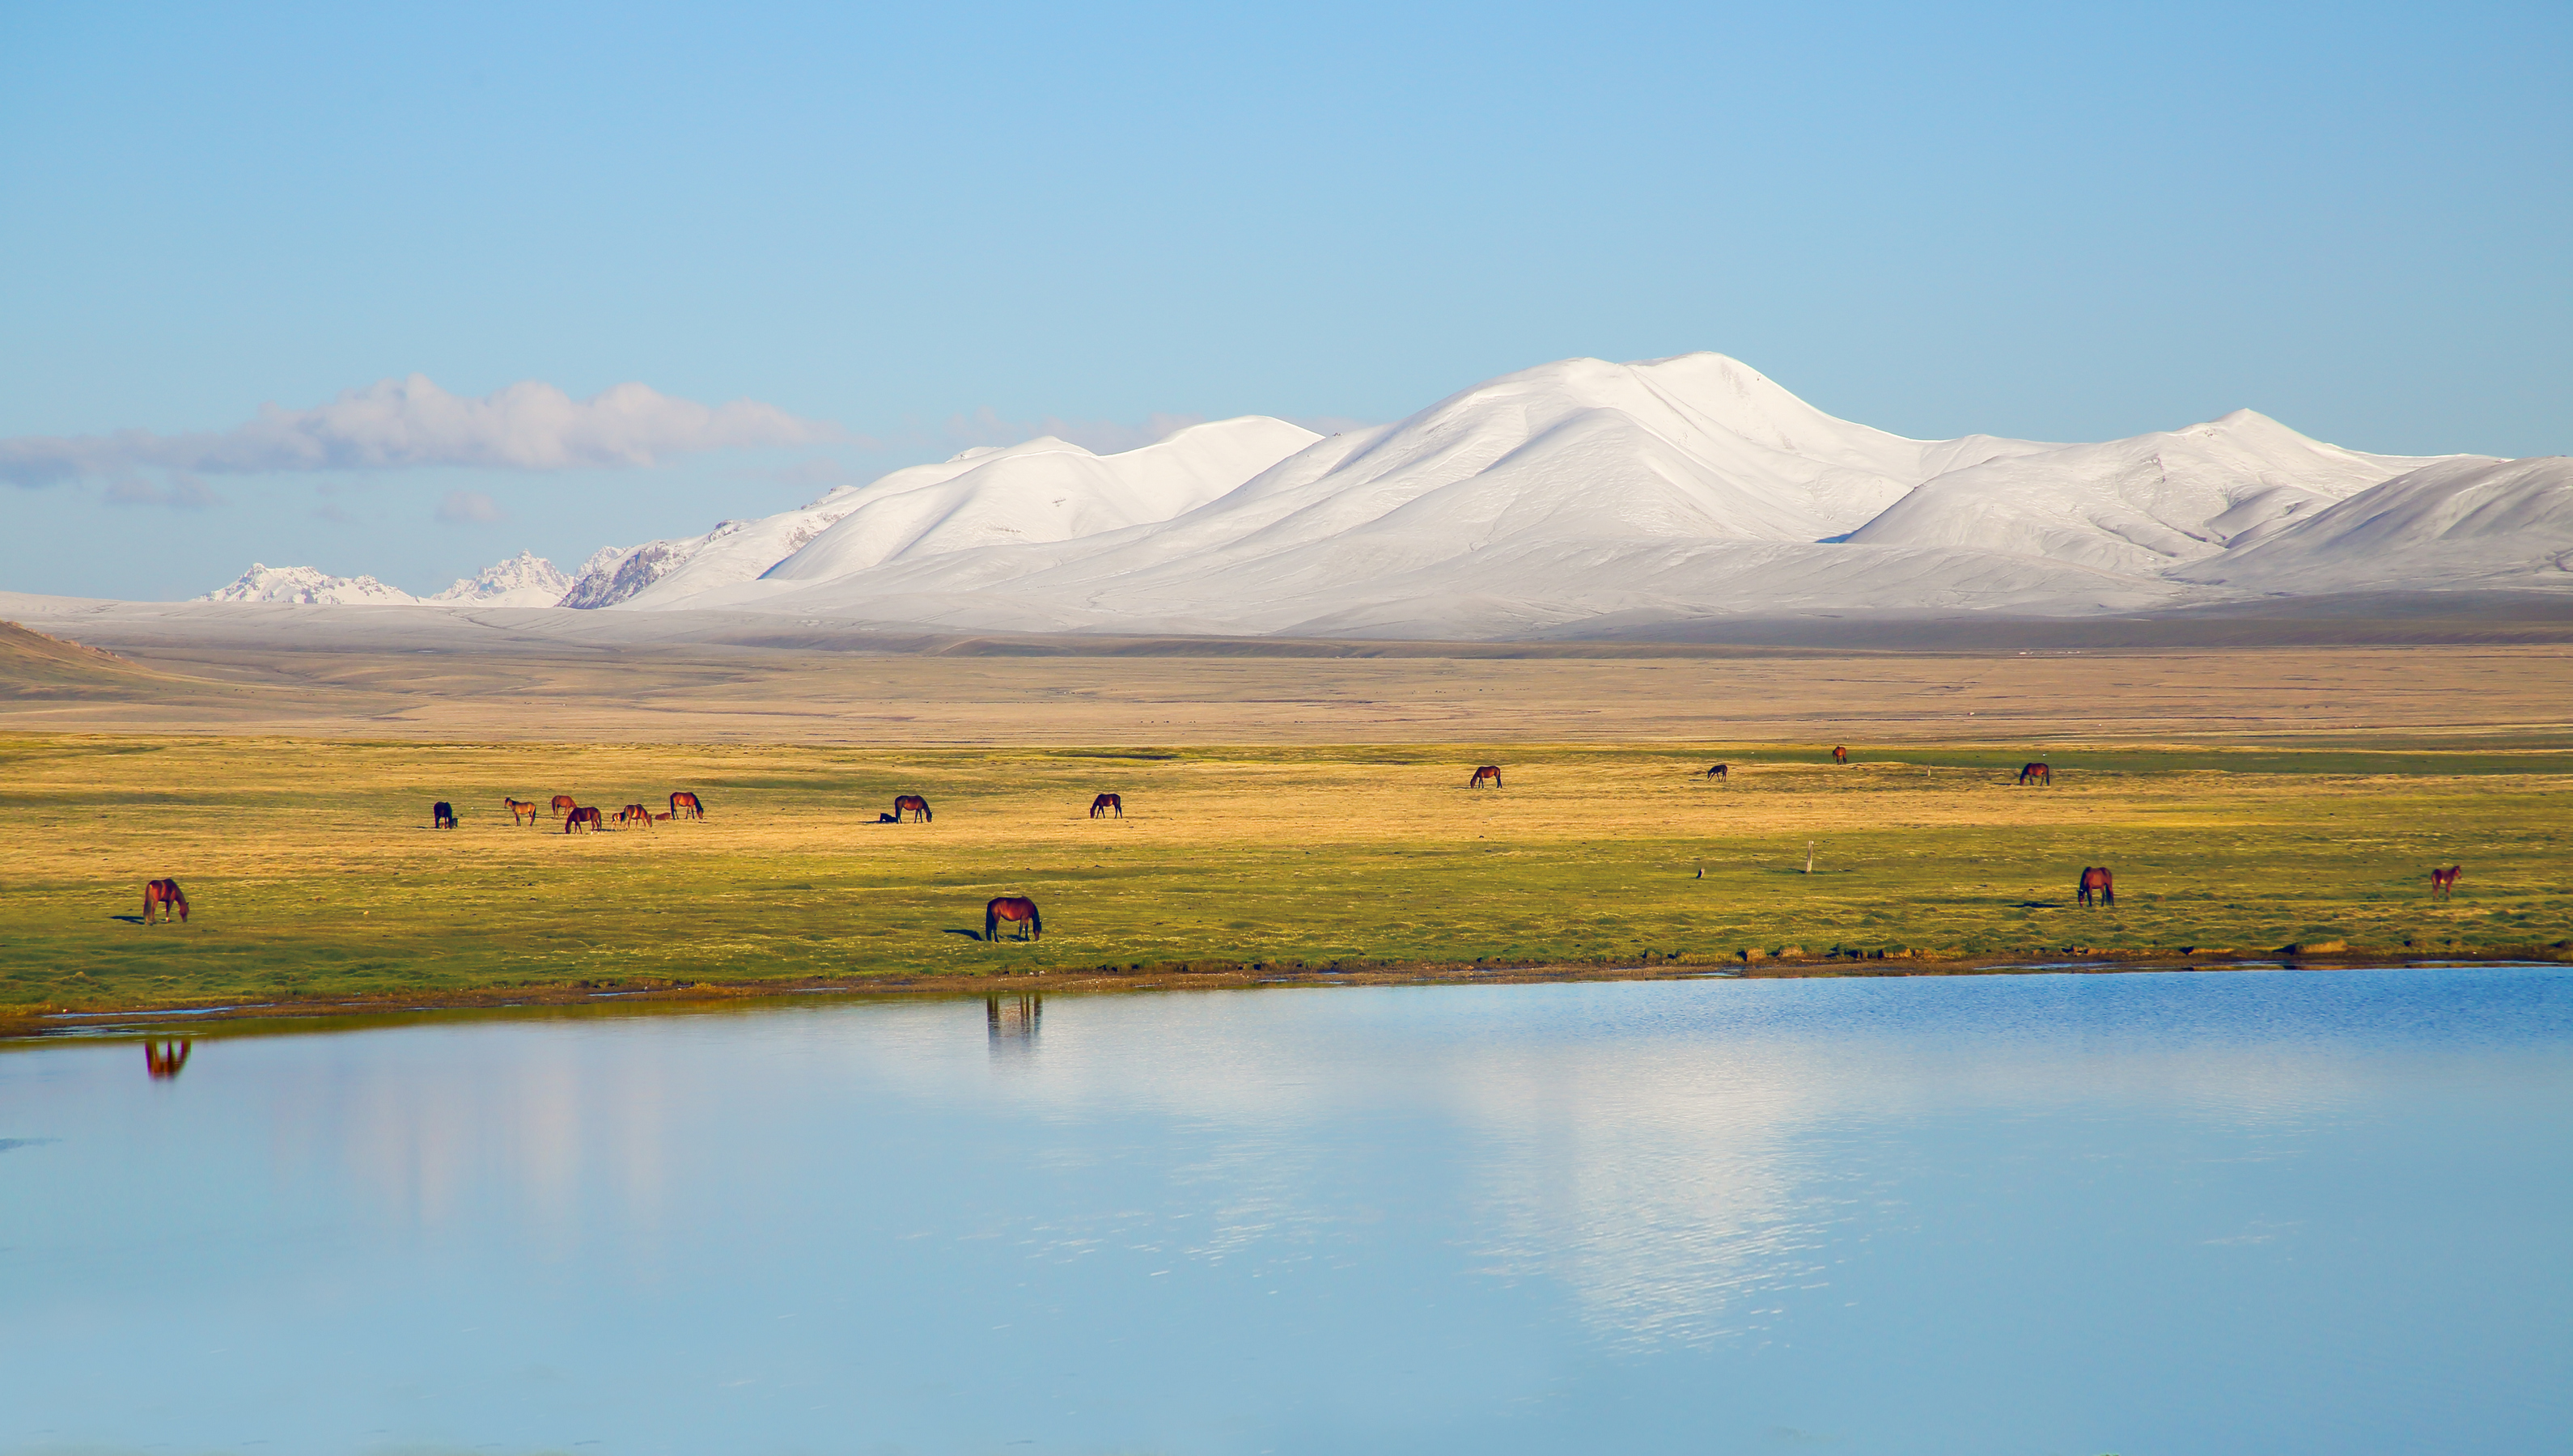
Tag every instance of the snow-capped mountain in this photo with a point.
(307, 586)
(1585, 491)
(524, 580)
(1044, 490)
(1584, 495)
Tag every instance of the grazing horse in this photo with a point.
(2444, 880)
(581, 819)
(1106, 804)
(1839, 753)
(2094, 880)
(564, 804)
(684, 805)
(165, 1060)
(442, 814)
(1717, 772)
(634, 814)
(165, 897)
(909, 804)
(1011, 907)
(2035, 773)
(1490, 771)
(520, 808)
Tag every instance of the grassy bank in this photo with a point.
(313, 872)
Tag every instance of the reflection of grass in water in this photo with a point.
(313, 870)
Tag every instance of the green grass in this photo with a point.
(313, 872)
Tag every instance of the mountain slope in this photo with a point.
(2139, 505)
(2466, 522)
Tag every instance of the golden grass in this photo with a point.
(314, 873)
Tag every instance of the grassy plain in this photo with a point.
(313, 872)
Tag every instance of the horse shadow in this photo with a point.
(127, 919)
(971, 935)
(2040, 905)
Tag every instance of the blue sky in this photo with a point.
(2062, 223)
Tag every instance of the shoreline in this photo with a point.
(169, 1020)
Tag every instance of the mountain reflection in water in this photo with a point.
(2036, 1212)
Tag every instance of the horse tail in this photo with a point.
(991, 924)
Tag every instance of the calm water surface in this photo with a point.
(2139, 1213)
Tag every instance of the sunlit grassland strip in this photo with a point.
(313, 872)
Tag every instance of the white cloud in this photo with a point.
(400, 423)
(469, 507)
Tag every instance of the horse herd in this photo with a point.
(578, 819)
(164, 897)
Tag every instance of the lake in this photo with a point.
(2300, 1211)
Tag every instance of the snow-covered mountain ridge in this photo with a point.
(1585, 492)
(524, 580)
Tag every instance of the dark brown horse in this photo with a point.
(581, 819)
(442, 814)
(1839, 753)
(1717, 772)
(1490, 771)
(520, 808)
(2094, 880)
(1011, 907)
(2442, 882)
(165, 897)
(911, 803)
(634, 814)
(165, 1060)
(2035, 773)
(1107, 804)
(564, 804)
(684, 805)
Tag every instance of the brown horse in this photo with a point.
(165, 1060)
(1106, 804)
(442, 814)
(661, 818)
(2094, 880)
(1490, 771)
(1717, 772)
(634, 814)
(684, 805)
(911, 803)
(1011, 907)
(2442, 882)
(1839, 753)
(581, 819)
(564, 804)
(520, 808)
(2035, 773)
(165, 897)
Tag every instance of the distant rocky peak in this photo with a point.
(307, 586)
